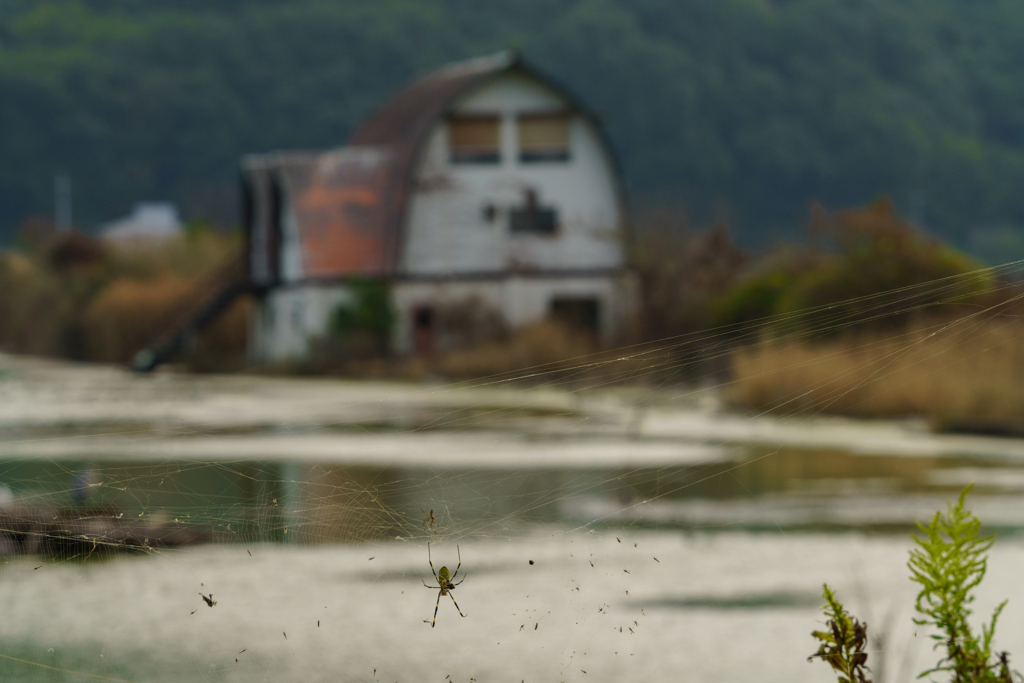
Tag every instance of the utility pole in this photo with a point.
(62, 202)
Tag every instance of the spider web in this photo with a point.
(614, 521)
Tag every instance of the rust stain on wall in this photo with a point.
(339, 205)
(338, 230)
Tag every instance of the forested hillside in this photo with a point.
(744, 108)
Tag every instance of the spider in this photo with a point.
(428, 518)
(445, 582)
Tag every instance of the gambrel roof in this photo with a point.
(350, 203)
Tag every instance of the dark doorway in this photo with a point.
(423, 330)
(580, 313)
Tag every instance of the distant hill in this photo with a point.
(744, 108)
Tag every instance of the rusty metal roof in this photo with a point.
(405, 120)
(408, 116)
(339, 199)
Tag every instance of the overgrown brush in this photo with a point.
(126, 315)
(831, 288)
(681, 274)
(543, 343)
(74, 296)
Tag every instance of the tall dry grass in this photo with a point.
(221, 347)
(129, 315)
(37, 308)
(965, 372)
(126, 315)
(535, 345)
(537, 352)
(75, 296)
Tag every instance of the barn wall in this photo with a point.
(287, 318)
(523, 300)
(258, 194)
(453, 250)
(446, 227)
(291, 243)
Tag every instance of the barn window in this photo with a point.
(532, 218)
(543, 137)
(475, 139)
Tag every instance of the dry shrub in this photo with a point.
(127, 314)
(221, 346)
(681, 274)
(37, 308)
(466, 331)
(965, 373)
(881, 252)
(73, 250)
(467, 323)
(867, 251)
(538, 344)
(74, 296)
(196, 253)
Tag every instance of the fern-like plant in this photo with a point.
(842, 645)
(949, 562)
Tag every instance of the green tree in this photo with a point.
(753, 106)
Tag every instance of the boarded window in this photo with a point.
(475, 139)
(543, 137)
(539, 221)
(532, 218)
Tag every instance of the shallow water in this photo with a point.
(301, 482)
(714, 607)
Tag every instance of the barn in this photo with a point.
(483, 193)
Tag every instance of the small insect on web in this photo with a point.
(208, 599)
(445, 583)
(429, 518)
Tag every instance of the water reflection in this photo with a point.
(77, 504)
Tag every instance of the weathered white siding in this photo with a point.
(287, 318)
(446, 230)
(452, 250)
(291, 245)
(522, 300)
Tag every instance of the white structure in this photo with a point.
(149, 223)
(483, 182)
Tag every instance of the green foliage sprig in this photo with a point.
(842, 646)
(949, 562)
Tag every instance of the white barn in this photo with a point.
(484, 181)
